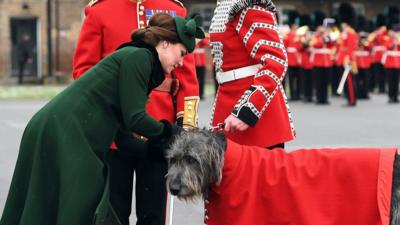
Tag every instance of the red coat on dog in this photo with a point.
(304, 187)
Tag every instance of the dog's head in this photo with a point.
(195, 161)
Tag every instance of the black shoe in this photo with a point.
(308, 100)
(323, 103)
(393, 100)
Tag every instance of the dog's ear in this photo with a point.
(221, 139)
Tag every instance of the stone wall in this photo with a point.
(70, 16)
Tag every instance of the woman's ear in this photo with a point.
(165, 44)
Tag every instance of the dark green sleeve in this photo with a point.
(135, 70)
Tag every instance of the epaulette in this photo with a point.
(238, 5)
(92, 2)
(179, 3)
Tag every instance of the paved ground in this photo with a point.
(373, 123)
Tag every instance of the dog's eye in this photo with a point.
(191, 160)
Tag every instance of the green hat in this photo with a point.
(189, 30)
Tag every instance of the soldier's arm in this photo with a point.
(89, 45)
(187, 98)
(258, 29)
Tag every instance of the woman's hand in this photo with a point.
(232, 123)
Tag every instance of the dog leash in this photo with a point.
(218, 127)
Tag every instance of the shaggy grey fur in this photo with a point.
(195, 161)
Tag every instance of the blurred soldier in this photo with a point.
(201, 63)
(293, 45)
(107, 25)
(378, 41)
(362, 57)
(348, 43)
(321, 59)
(304, 35)
(334, 34)
(391, 58)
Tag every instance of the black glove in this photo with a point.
(129, 145)
(159, 145)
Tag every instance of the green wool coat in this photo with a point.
(61, 173)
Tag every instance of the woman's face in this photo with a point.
(171, 55)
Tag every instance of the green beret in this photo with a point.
(189, 30)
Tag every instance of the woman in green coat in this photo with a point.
(61, 175)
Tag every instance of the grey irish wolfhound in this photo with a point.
(196, 159)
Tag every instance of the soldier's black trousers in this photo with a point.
(150, 189)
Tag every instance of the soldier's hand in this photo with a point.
(232, 123)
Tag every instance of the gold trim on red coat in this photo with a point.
(190, 111)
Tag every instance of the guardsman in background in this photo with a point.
(321, 59)
(334, 35)
(348, 44)
(107, 25)
(362, 57)
(304, 36)
(391, 58)
(378, 41)
(201, 63)
(293, 45)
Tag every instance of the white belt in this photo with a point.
(199, 50)
(291, 50)
(389, 54)
(361, 53)
(322, 51)
(236, 74)
(378, 48)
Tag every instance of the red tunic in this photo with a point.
(363, 59)
(321, 52)
(391, 58)
(303, 187)
(251, 37)
(379, 45)
(109, 23)
(200, 52)
(293, 45)
(348, 44)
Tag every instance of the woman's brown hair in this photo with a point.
(161, 27)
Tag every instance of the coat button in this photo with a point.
(141, 13)
(141, 22)
(141, 8)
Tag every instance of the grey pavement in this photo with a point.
(372, 123)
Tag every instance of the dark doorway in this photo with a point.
(24, 50)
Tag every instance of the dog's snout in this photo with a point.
(174, 188)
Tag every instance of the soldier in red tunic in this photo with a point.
(321, 60)
(304, 35)
(348, 42)
(362, 58)
(378, 42)
(201, 63)
(251, 63)
(293, 46)
(391, 59)
(107, 25)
